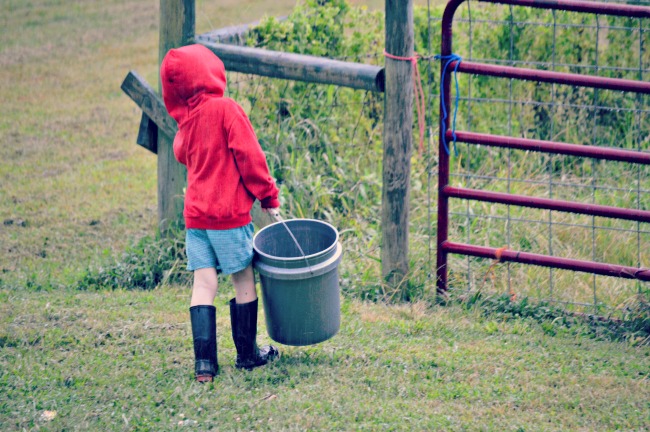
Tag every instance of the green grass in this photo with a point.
(123, 360)
(75, 186)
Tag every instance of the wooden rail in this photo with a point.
(299, 67)
(233, 35)
(153, 110)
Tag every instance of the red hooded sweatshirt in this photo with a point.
(226, 167)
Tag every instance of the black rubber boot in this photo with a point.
(243, 318)
(204, 333)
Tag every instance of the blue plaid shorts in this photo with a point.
(229, 251)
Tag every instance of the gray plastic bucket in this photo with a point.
(300, 293)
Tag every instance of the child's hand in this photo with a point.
(273, 212)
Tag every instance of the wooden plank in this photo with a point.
(276, 64)
(398, 142)
(177, 28)
(233, 35)
(150, 102)
(148, 134)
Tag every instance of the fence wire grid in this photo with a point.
(563, 42)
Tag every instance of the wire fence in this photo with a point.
(558, 41)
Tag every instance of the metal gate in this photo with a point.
(452, 64)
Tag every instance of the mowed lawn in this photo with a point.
(76, 189)
(123, 360)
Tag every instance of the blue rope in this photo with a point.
(449, 58)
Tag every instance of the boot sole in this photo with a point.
(251, 367)
(204, 378)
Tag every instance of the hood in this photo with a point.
(187, 74)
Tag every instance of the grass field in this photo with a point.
(123, 361)
(76, 189)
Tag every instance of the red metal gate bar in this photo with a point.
(445, 191)
(547, 261)
(552, 77)
(613, 9)
(608, 153)
(547, 204)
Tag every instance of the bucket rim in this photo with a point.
(296, 274)
(300, 258)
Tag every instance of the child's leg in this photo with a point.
(204, 289)
(204, 324)
(244, 283)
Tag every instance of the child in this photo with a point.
(226, 172)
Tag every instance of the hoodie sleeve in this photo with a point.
(250, 158)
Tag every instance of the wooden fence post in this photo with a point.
(398, 141)
(177, 28)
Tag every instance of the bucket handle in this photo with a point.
(276, 215)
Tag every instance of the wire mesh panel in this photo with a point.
(507, 35)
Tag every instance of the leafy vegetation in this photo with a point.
(153, 261)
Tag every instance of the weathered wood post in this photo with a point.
(177, 28)
(398, 141)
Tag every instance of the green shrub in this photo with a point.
(152, 261)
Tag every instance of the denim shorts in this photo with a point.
(229, 251)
